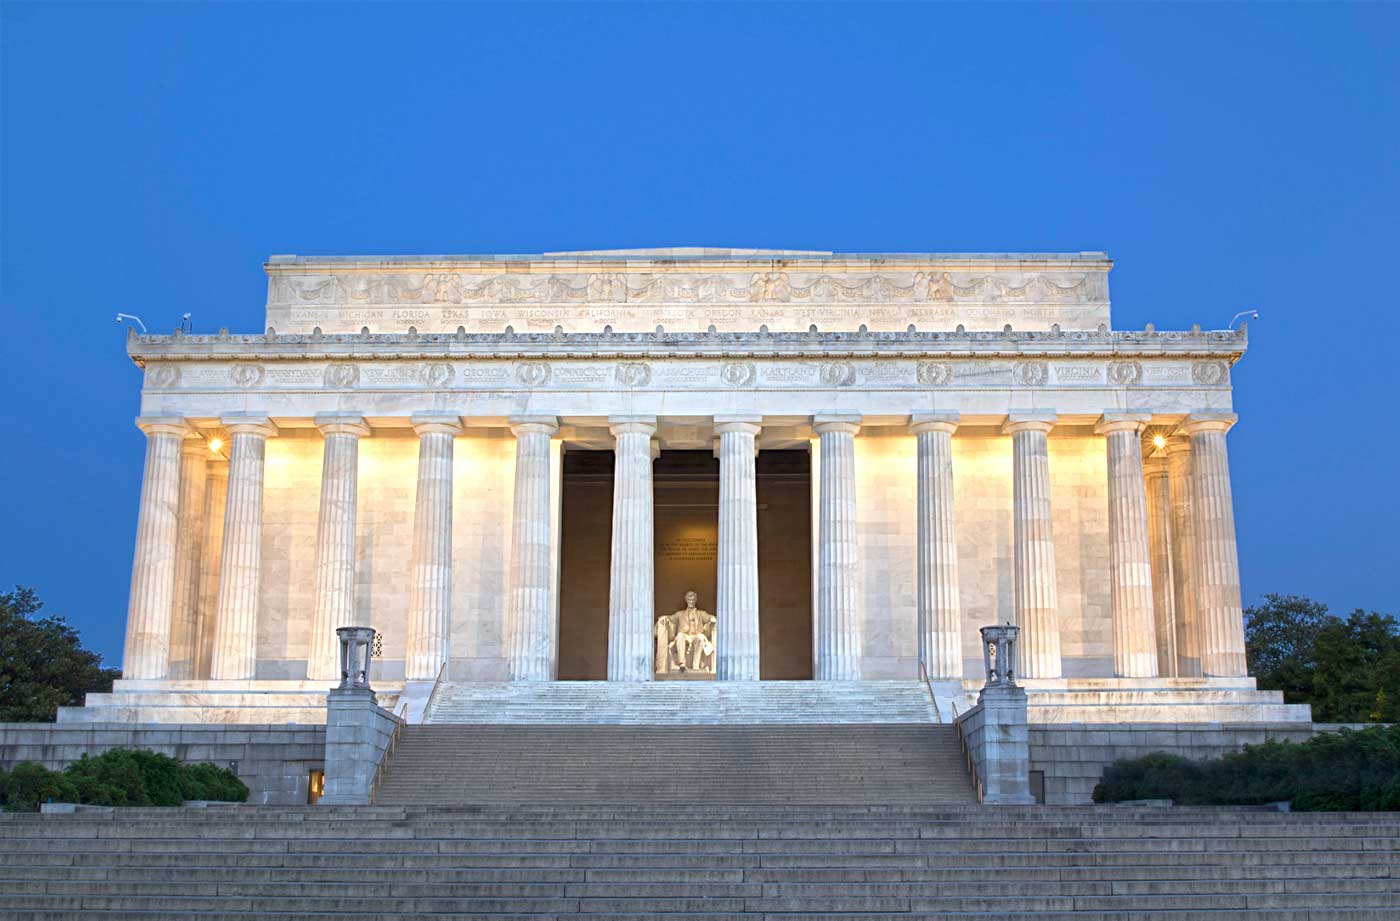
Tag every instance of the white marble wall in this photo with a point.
(886, 460)
(482, 474)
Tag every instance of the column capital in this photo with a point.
(1209, 422)
(1156, 465)
(218, 467)
(745, 425)
(848, 423)
(534, 425)
(163, 425)
(934, 422)
(632, 425)
(1029, 422)
(342, 424)
(249, 424)
(1122, 422)
(431, 424)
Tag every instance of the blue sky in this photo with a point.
(1226, 156)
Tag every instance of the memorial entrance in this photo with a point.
(686, 510)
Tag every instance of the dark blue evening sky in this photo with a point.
(1226, 156)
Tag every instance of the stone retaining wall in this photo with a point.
(1074, 755)
(274, 761)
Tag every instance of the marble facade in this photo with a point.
(985, 448)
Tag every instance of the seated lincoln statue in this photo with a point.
(685, 640)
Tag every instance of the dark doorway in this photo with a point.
(686, 503)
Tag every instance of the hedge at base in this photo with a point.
(1343, 771)
(119, 777)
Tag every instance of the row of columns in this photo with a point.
(1173, 566)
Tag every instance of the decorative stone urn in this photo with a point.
(355, 649)
(999, 654)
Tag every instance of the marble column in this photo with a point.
(939, 611)
(211, 547)
(1037, 599)
(736, 605)
(838, 604)
(334, 601)
(530, 637)
(1130, 561)
(240, 569)
(1159, 543)
(1219, 616)
(632, 584)
(194, 462)
(430, 572)
(151, 604)
(1188, 641)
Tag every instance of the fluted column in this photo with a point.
(194, 461)
(940, 611)
(151, 604)
(1188, 642)
(1037, 598)
(529, 595)
(1159, 543)
(335, 542)
(430, 586)
(211, 547)
(1220, 618)
(737, 603)
(1130, 561)
(632, 585)
(838, 604)
(240, 569)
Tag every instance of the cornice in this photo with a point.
(1228, 345)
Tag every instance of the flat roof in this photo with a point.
(691, 254)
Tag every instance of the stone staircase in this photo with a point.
(663, 703)
(679, 859)
(812, 763)
(251, 702)
(1153, 700)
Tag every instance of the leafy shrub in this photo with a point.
(208, 782)
(30, 783)
(120, 777)
(1344, 771)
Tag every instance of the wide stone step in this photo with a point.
(682, 703)
(916, 763)
(839, 863)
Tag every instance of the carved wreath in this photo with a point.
(633, 374)
(838, 374)
(342, 376)
(248, 375)
(935, 373)
(1125, 372)
(163, 375)
(1209, 373)
(738, 373)
(1032, 373)
(532, 375)
(438, 374)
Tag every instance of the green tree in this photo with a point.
(1280, 637)
(43, 665)
(1356, 672)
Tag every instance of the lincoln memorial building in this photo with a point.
(685, 472)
